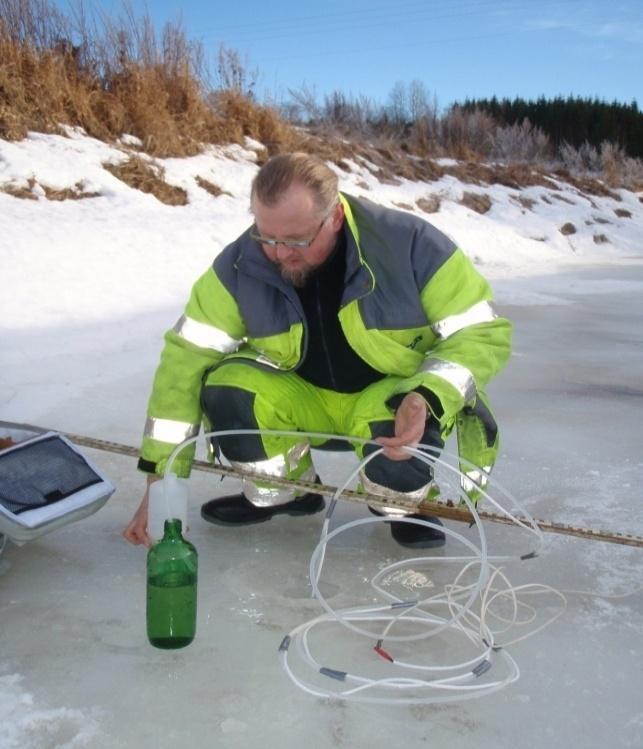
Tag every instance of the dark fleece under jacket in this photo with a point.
(329, 361)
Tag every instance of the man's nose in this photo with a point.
(284, 252)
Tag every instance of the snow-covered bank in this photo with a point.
(124, 251)
(101, 278)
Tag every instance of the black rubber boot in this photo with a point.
(413, 535)
(237, 510)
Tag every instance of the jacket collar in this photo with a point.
(358, 279)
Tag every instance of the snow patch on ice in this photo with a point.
(24, 725)
(409, 579)
(232, 725)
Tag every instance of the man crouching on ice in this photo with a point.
(329, 314)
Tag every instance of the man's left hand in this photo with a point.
(410, 422)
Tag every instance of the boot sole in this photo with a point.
(292, 512)
(435, 544)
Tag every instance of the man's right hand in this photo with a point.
(136, 530)
(410, 423)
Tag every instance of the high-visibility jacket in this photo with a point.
(413, 306)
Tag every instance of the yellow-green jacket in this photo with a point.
(413, 306)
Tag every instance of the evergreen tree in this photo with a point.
(572, 120)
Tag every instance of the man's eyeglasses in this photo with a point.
(294, 244)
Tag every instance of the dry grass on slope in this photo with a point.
(389, 163)
(149, 178)
(123, 81)
(122, 76)
(32, 190)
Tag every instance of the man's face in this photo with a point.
(296, 217)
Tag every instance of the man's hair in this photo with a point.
(280, 172)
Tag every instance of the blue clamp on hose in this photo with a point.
(481, 668)
(339, 675)
(404, 604)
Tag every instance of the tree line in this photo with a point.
(572, 120)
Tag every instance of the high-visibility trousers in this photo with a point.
(237, 395)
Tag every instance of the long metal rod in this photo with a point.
(434, 508)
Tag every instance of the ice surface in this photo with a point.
(90, 286)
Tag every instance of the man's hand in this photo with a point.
(136, 531)
(410, 422)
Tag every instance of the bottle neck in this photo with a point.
(172, 529)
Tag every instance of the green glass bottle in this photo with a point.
(171, 589)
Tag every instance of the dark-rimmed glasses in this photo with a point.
(294, 244)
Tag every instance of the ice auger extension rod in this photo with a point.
(440, 508)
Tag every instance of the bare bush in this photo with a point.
(609, 162)
(303, 106)
(420, 102)
(619, 169)
(585, 159)
(424, 136)
(397, 110)
(37, 24)
(612, 158)
(632, 174)
(233, 73)
(468, 134)
(522, 142)
(349, 114)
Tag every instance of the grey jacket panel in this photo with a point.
(403, 252)
(268, 304)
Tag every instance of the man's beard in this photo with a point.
(296, 277)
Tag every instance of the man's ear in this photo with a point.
(338, 216)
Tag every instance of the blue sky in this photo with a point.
(458, 49)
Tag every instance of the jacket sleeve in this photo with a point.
(209, 329)
(471, 342)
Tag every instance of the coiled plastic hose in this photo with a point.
(459, 611)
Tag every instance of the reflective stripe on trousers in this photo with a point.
(414, 497)
(280, 466)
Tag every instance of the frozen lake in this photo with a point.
(76, 669)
